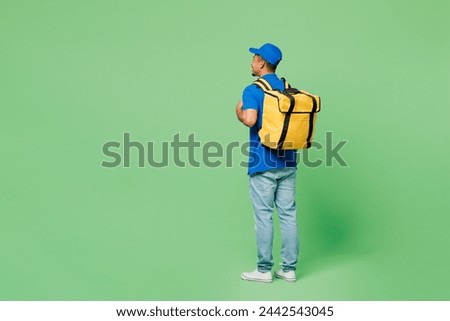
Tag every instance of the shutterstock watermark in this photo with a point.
(191, 152)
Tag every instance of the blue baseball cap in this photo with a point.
(269, 52)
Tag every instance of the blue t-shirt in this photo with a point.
(262, 158)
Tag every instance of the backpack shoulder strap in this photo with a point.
(286, 84)
(263, 84)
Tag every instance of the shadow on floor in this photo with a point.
(336, 226)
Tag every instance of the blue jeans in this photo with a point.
(275, 187)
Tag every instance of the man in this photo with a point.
(272, 176)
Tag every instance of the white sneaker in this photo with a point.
(288, 276)
(257, 276)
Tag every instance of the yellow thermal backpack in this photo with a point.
(289, 116)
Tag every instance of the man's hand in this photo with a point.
(248, 117)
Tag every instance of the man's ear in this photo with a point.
(263, 63)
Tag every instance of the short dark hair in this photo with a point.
(270, 66)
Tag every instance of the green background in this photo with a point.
(77, 74)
